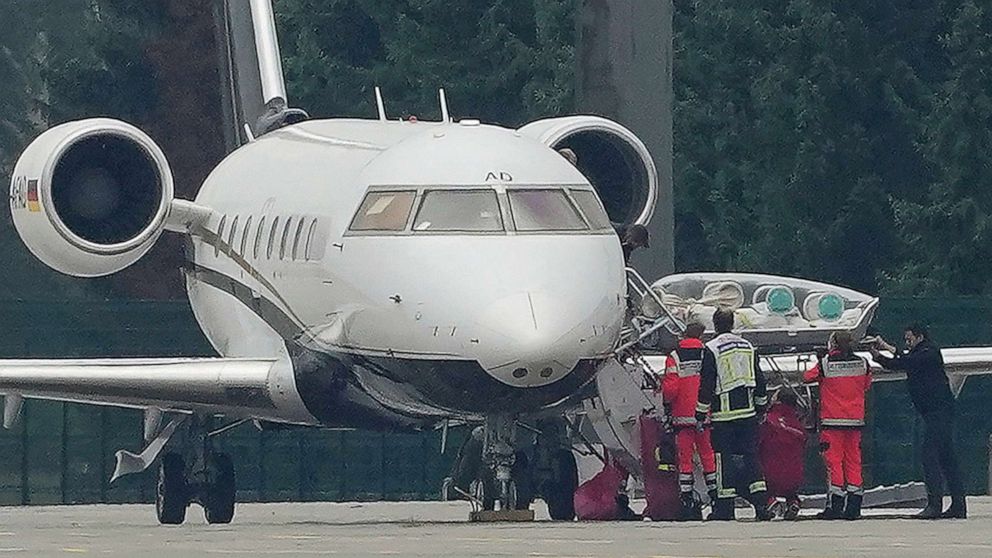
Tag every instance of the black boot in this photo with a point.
(691, 511)
(835, 510)
(853, 508)
(958, 509)
(759, 500)
(723, 510)
(933, 509)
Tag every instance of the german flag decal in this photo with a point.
(33, 204)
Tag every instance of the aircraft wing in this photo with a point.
(235, 387)
(960, 364)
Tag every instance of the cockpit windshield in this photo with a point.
(481, 210)
(591, 207)
(459, 210)
(384, 211)
(544, 210)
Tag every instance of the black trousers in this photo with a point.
(940, 461)
(735, 444)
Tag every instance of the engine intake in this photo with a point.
(91, 197)
(612, 158)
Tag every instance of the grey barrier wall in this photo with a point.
(64, 453)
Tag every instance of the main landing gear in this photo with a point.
(198, 474)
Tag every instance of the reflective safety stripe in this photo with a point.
(734, 362)
(757, 486)
(844, 368)
(721, 490)
(761, 401)
(702, 407)
(842, 422)
(685, 369)
(710, 481)
(684, 421)
(726, 416)
(856, 490)
(690, 368)
(836, 490)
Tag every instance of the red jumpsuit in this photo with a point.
(680, 389)
(782, 443)
(843, 379)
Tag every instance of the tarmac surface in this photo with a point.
(442, 530)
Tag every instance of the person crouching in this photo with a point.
(781, 448)
(844, 379)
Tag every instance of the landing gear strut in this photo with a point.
(199, 475)
(499, 456)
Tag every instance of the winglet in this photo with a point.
(379, 105)
(445, 117)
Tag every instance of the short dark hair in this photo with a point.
(843, 340)
(723, 320)
(694, 330)
(918, 329)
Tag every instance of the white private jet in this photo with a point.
(365, 273)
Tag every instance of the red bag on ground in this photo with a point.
(781, 450)
(659, 462)
(596, 499)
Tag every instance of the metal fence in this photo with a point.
(64, 453)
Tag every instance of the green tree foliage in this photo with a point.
(949, 227)
(505, 61)
(842, 141)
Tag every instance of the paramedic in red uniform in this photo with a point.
(680, 388)
(844, 378)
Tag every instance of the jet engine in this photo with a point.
(91, 197)
(611, 157)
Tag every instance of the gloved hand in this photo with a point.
(701, 421)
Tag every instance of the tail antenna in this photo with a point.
(379, 105)
(445, 117)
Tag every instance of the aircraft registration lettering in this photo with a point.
(500, 176)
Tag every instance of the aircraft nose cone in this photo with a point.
(535, 338)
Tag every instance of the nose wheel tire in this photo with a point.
(218, 506)
(559, 491)
(171, 495)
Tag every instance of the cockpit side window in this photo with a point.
(384, 211)
(459, 211)
(544, 210)
(591, 207)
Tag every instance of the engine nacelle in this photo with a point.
(613, 159)
(91, 197)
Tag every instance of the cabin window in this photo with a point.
(220, 235)
(230, 235)
(311, 251)
(244, 237)
(272, 238)
(285, 238)
(544, 210)
(384, 211)
(258, 238)
(589, 204)
(296, 239)
(459, 211)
